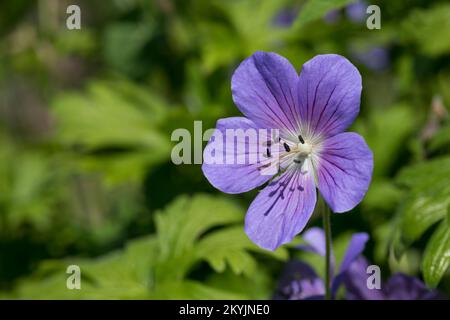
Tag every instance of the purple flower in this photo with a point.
(374, 58)
(356, 11)
(285, 17)
(299, 280)
(332, 16)
(398, 287)
(310, 111)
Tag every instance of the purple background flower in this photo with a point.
(356, 11)
(299, 280)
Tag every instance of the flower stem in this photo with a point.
(327, 229)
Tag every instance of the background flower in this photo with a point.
(299, 281)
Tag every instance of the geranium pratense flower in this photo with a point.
(310, 111)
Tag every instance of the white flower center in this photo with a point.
(304, 149)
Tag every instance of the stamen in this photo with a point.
(264, 166)
(300, 138)
(286, 147)
(297, 161)
(269, 155)
(267, 143)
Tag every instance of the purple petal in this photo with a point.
(282, 209)
(329, 94)
(355, 281)
(354, 249)
(229, 178)
(315, 237)
(332, 16)
(264, 88)
(344, 171)
(299, 281)
(374, 58)
(403, 287)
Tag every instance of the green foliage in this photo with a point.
(441, 139)
(316, 9)
(115, 115)
(28, 188)
(428, 29)
(427, 203)
(386, 132)
(123, 42)
(158, 266)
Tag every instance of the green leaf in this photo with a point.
(440, 139)
(115, 127)
(192, 290)
(186, 219)
(428, 29)
(316, 9)
(107, 115)
(123, 42)
(122, 274)
(231, 251)
(424, 173)
(428, 198)
(423, 208)
(437, 255)
(399, 121)
(383, 195)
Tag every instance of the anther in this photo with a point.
(264, 166)
(268, 153)
(300, 138)
(286, 147)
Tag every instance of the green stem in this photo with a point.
(327, 229)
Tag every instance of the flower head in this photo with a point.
(309, 111)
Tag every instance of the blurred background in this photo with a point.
(86, 118)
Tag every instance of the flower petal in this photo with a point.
(315, 237)
(404, 287)
(354, 250)
(264, 88)
(228, 177)
(344, 170)
(329, 90)
(355, 281)
(294, 275)
(282, 209)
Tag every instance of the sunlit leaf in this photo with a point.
(316, 9)
(437, 255)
